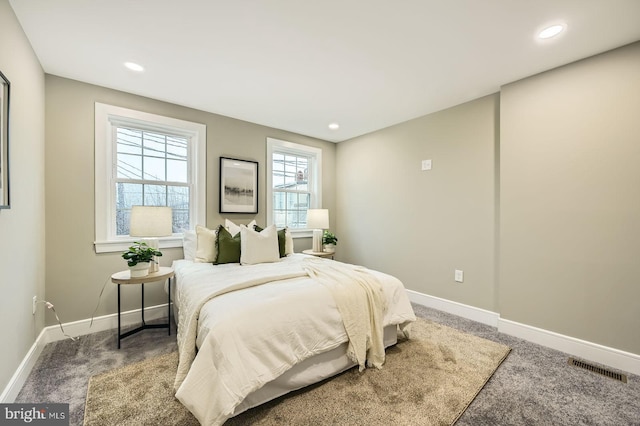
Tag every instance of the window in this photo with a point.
(294, 183)
(151, 170)
(146, 159)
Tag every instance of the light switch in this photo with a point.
(426, 164)
(459, 275)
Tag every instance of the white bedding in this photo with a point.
(248, 337)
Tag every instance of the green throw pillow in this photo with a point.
(281, 238)
(228, 247)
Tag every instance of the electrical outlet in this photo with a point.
(34, 303)
(458, 275)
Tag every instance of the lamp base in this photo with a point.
(154, 243)
(317, 240)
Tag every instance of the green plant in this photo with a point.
(329, 238)
(139, 252)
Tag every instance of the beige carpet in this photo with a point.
(427, 380)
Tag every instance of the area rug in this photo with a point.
(429, 379)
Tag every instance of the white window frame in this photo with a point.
(107, 117)
(315, 176)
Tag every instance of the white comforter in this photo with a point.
(246, 338)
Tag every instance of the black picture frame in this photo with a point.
(5, 91)
(238, 186)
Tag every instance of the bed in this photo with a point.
(249, 333)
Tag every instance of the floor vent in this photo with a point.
(595, 369)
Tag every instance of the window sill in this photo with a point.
(302, 233)
(123, 244)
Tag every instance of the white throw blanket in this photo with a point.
(360, 300)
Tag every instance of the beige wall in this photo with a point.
(422, 225)
(21, 227)
(534, 193)
(74, 273)
(570, 200)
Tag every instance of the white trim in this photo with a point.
(625, 361)
(615, 358)
(455, 308)
(19, 378)
(105, 322)
(124, 243)
(105, 117)
(301, 233)
(77, 328)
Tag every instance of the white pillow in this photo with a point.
(234, 229)
(288, 242)
(206, 251)
(258, 247)
(189, 244)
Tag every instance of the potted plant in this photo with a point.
(138, 258)
(329, 241)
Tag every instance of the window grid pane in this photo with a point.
(290, 209)
(145, 156)
(291, 194)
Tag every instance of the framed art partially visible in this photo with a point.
(4, 142)
(238, 186)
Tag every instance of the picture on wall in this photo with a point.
(238, 186)
(4, 142)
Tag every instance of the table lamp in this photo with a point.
(151, 222)
(318, 220)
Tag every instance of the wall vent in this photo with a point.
(595, 369)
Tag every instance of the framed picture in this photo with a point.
(238, 186)
(4, 142)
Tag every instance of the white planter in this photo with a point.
(140, 269)
(329, 248)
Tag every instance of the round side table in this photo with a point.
(319, 253)
(124, 278)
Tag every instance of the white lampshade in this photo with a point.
(150, 221)
(318, 219)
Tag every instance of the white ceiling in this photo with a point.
(300, 65)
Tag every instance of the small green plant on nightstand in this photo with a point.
(329, 238)
(329, 241)
(140, 253)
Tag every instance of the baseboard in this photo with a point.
(53, 333)
(615, 358)
(11, 391)
(105, 322)
(583, 349)
(465, 311)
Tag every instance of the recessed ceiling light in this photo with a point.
(334, 126)
(134, 67)
(551, 31)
